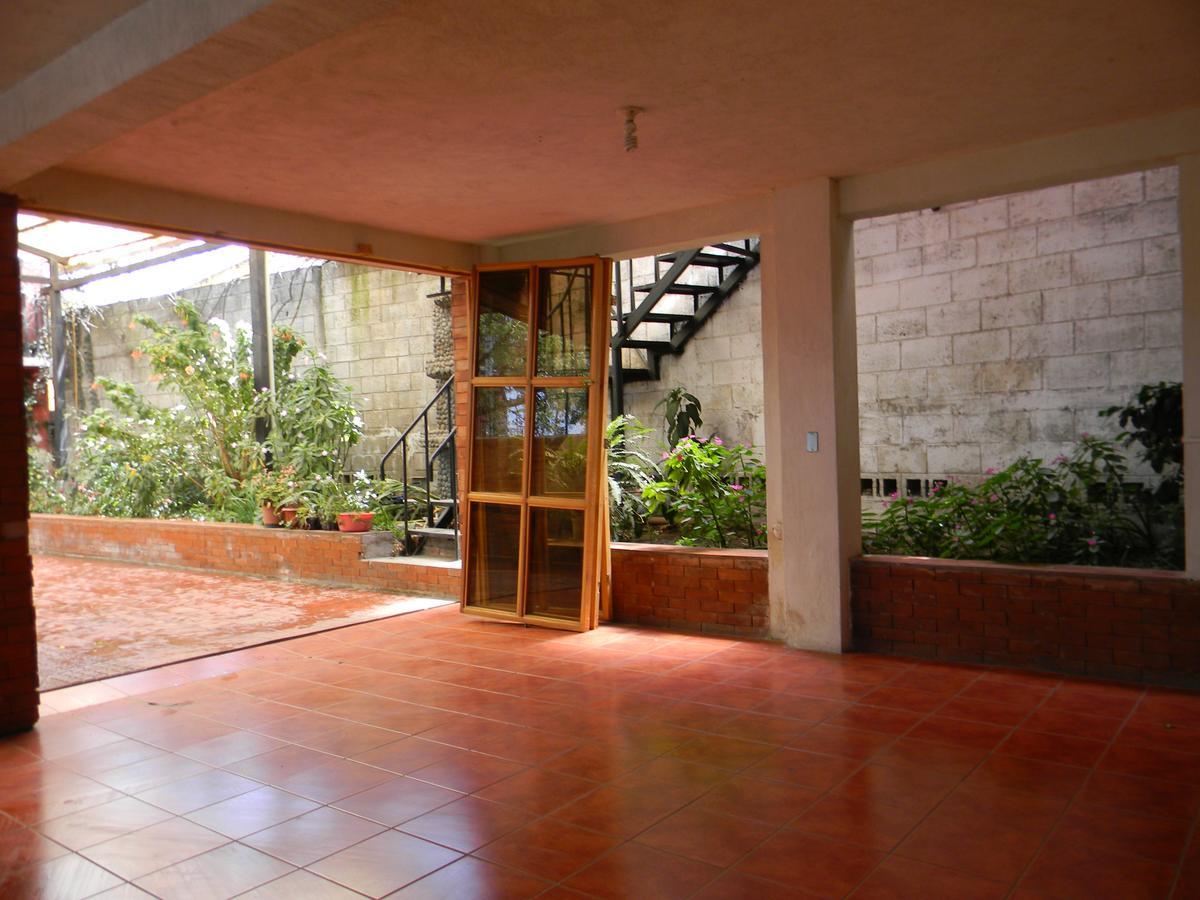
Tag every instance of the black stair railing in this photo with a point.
(437, 514)
(639, 307)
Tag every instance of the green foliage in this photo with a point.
(200, 458)
(334, 494)
(681, 414)
(1155, 421)
(1077, 509)
(48, 492)
(630, 472)
(718, 493)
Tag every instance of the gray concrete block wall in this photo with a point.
(722, 366)
(998, 327)
(378, 337)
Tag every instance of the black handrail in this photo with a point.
(446, 446)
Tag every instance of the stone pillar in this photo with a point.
(18, 642)
(810, 379)
(1189, 263)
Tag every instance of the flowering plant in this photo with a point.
(717, 493)
(1076, 509)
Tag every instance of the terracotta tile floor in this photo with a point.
(99, 619)
(432, 755)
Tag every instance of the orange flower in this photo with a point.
(190, 370)
(245, 376)
(136, 354)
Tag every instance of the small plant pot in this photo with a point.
(270, 516)
(288, 514)
(355, 521)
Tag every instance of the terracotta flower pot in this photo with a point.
(270, 516)
(355, 521)
(288, 514)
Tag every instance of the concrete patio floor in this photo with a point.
(98, 619)
(437, 756)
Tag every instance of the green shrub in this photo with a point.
(200, 458)
(717, 493)
(1077, 509)
(630, 472)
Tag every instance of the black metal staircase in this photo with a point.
(428, 518)
(660, 316)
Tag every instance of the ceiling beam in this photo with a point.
(695, 227)
(148, 63)
(93, 198)
(1077, 156)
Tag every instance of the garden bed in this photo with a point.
(1131, 624)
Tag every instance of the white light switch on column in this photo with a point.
(813, 442)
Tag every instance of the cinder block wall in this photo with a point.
(992, 328)
(722, 366)
(378, 337)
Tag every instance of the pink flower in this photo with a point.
(735, 487)
(1052, 517)
(989, 471)
(665, 454)
(1092, 542)
(718, 441)
(1059, 460)
(893, 495)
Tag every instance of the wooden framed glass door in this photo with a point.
(536, 497)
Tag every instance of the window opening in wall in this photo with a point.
(1020, 361)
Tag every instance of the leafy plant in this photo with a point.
(1155, 421)
(630, 472)
(200, 458)
(1077, 509)
(681, 415)
(718, 493)
(333, 494)
(49, 492)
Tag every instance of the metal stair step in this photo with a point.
(740, 251)
(661, 317)
(715, 260)
(656, 346)
(677, 288)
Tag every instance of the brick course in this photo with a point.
(715, 591)
(18, 643)
(315, 557)
(1127, 624)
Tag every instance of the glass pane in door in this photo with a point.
(494, 561)
(503, 326)
(563, 322)
(555, 568)
(498, 455)
(560, 444)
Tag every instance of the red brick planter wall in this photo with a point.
(1131, 624)
(718, 591)
(318, 557)
(18, 645)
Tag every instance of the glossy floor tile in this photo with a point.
(433, 756)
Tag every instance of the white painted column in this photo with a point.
(1189, 260)
(810, 384)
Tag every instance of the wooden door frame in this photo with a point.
(594, 503)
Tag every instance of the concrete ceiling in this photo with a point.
(33, 32)
(476, 121)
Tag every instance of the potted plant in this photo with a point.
(352, 504)
(275, 490)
